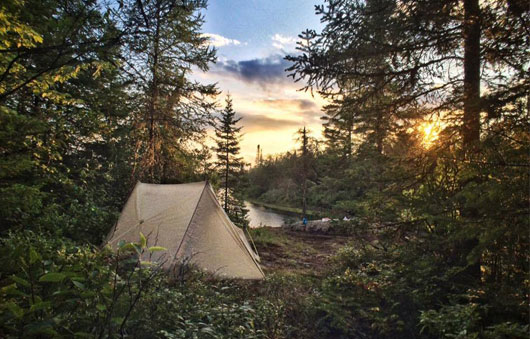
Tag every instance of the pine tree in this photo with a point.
(304, 169)
(259, 156)
(338, 130)
(172, 111)
(422, 52)
(229, 164)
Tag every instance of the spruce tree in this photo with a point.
(229, 164)
(338, 130)
(305, 165)
(172, 111)
(425, 52)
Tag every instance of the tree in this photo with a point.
(413, 60)
(172, 111)
(229, 163)
(259, 156)
(56, 58)
(305, 167)
(338, 130)
(429, 52)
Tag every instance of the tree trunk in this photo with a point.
(349, 145)
(471, 122)
(379, 133)
(304, 199)
(304, 168)
(154, 100)
(226, 177)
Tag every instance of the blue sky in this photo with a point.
(255, 22)
(252, 38)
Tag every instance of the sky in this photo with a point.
(252, 38)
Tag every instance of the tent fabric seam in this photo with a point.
(189, 222)
(239, 241)
(253, 244)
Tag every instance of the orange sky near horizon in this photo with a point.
(252, 39)
(271, 112)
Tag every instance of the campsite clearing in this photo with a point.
(283, 251)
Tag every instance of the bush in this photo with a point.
(51, 287)
(466, 321)
(452, 321)
(362, 304)
(205, 309)
(404, 291)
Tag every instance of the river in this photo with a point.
(262, 216)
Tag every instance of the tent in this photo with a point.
(188, 221)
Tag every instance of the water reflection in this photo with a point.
(261, 216)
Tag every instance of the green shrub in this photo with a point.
(209, 309)
(452, 321)
(51, 287)
(403, 292)
(466, 321)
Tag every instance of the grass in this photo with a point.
(265, 236)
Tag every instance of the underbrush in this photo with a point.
(397, 293)
(56, 288)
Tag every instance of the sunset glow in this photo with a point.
(431, 131)
(251, 67)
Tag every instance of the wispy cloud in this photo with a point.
(284, 43)
(303, 110)
(253, 123)
(292, 104)
(220, 41)
(261, 71)
(270, 103)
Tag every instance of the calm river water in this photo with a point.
(261, 216)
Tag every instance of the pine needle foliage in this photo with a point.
(230, 165)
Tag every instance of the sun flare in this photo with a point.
(431, 132)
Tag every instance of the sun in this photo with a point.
(431, 132)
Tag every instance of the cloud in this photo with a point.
(294, 104)
(304, 109)
(220, 41)
(254, 123)
(261, 71)
(283, 42)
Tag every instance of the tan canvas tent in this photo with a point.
(188, 221)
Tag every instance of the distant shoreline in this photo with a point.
(284, 209)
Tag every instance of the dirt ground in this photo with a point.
(296, 252)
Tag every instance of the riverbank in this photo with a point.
(294, 211)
